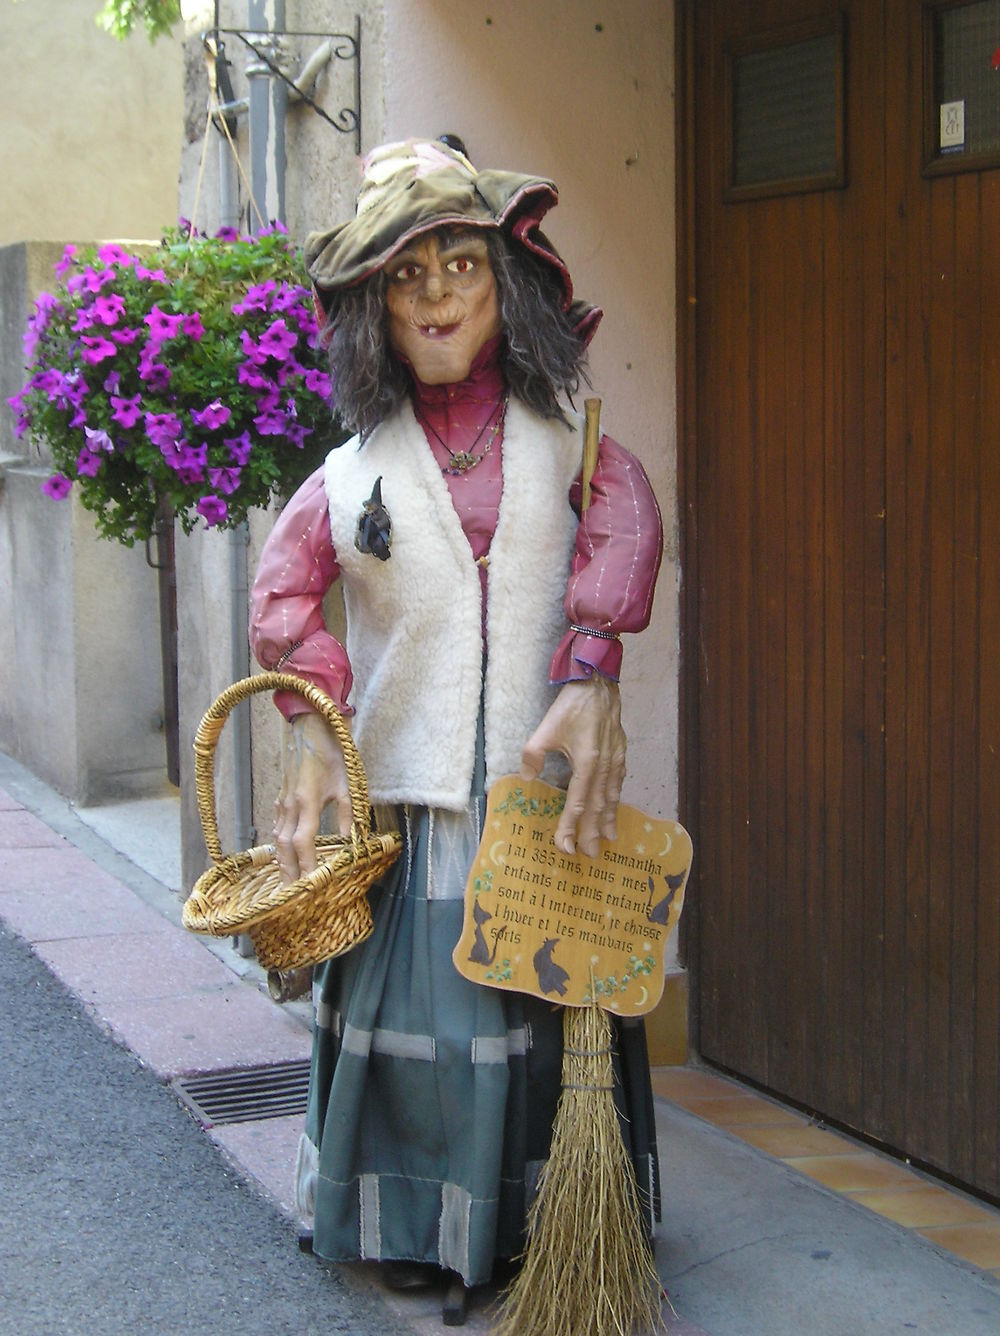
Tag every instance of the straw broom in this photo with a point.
(588, 1269)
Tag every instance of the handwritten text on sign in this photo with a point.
(544, 922)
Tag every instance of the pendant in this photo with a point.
(462, 461)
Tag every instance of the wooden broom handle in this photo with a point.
(591, 442)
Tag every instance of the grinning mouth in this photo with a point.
(438, 331)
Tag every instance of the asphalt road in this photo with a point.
(117, 1214)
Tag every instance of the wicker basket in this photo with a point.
(325, 912)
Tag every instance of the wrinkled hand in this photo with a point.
(584, 723)
(313, 775)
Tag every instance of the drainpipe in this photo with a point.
(261, 141)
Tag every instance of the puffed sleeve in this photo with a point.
(287, 631)
(619, 544)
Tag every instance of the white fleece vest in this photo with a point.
(413, 622)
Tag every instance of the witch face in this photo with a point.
(442, 303)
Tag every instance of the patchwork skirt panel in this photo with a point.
(432, 1098)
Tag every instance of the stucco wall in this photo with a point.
(91, 139)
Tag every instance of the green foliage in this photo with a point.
(191, 375)
(121, 17)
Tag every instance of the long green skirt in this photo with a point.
(432, 1098)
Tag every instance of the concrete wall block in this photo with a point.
(38, 708)
(82, 698)
(204, 647)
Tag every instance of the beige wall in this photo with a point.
(91, 127)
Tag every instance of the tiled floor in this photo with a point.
(954, 1221)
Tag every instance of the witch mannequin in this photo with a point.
(484, 614)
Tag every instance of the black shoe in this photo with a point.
(409, 1275)
(456, 1301)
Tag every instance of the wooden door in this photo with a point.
(841, 495)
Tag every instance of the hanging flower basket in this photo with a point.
(189, 375)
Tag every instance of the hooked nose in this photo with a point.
(436, 286)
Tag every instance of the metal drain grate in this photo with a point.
(246, 1094)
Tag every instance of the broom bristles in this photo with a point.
(588, 1269)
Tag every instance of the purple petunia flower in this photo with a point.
(113, 254)
(163, 428)
(109, 308)
(150, 275)
(126, 411)
(224, 480)
(58, 486)
(38, 322)
(92, 280)
(153, 373)
(84, 319)
(96, 349)
(253, 352)
(125, 337)
(66, 261)
(173, 452)
(271, 423)
(250, 374)
(288, 371)
(256, 298)
(111, 381)
(212, 509)
(215, 415)
(98, 439)
(278, 340)
(51, 383)
(163, 326)
(88, 463)
(318, 382)
(240, 448)
(227, 234)
(193, 327)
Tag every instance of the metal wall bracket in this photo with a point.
(343, 46)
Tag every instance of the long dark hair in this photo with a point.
(542, 356)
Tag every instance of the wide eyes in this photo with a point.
(461, 264)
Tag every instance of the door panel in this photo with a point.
(843, 620)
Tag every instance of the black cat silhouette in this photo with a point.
(479, 955)
(551, 977)
(660, 912)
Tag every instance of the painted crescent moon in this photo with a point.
(498, 859)
(641, 1001)
(668, 844)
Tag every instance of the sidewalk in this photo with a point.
(771, 1226)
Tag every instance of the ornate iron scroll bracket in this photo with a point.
(343, 46)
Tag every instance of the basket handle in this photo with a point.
(207, 737)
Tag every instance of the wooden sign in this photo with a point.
(544, 922)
